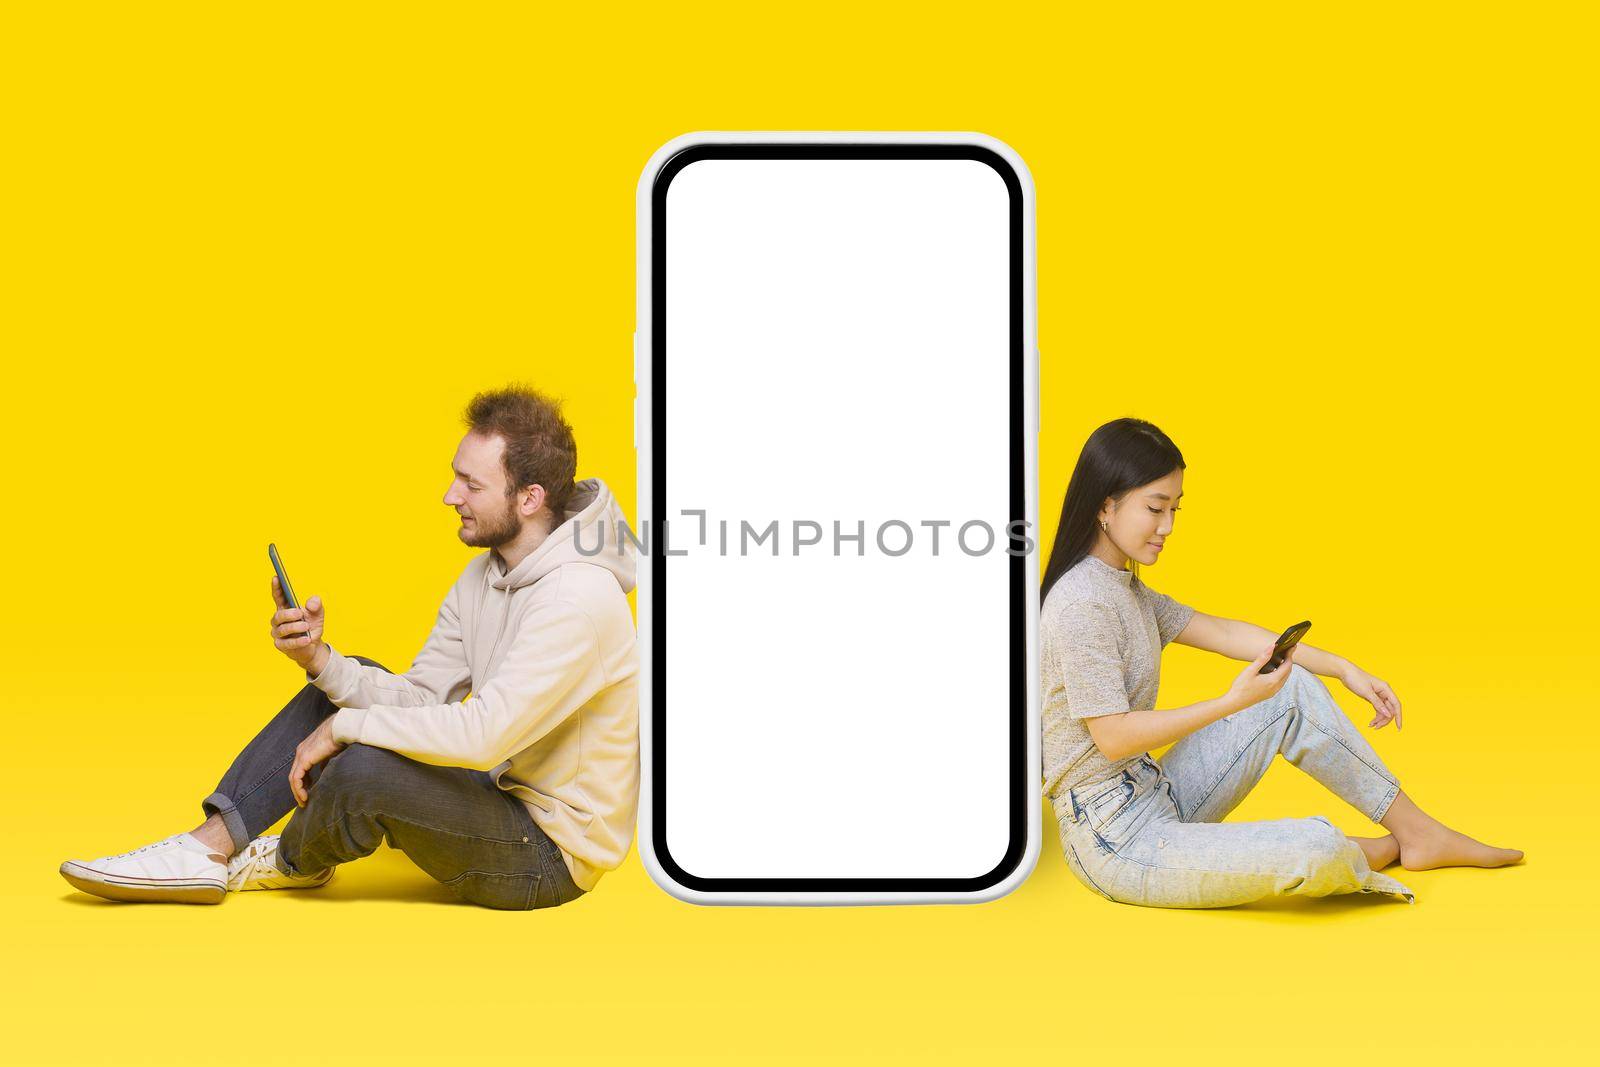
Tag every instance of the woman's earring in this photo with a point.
(1104, 526)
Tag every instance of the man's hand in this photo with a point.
(318, 746)
(297, 632)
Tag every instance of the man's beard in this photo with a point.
(492, 534)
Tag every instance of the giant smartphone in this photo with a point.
(836, 421)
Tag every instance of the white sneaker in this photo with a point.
(256, 867)
(166, 870)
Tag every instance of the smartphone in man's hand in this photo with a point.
(283, 578)
(296, 631)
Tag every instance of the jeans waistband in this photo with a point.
(1142, 773)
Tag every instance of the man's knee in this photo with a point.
(361, 771)
(359, 761)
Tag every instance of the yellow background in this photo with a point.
(257, 259)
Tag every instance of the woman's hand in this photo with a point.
(1252, 687)
(1378, 693)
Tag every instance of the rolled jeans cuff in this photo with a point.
(222, 804)
(1382, 809)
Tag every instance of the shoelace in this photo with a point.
(141, 848)
(254, 858)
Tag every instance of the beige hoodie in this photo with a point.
(532, 675)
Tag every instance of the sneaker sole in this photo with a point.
(175, 891)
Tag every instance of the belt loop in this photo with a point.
(1077, 812)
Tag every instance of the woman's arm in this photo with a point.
(1128, 733)
(1241, 640)
(1234, 639)
(1132, 732)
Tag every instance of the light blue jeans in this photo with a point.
(1152, 835)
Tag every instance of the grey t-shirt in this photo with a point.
(1101, 632)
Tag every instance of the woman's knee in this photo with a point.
(1302, 692)
(1308, 682)
(1310, 693)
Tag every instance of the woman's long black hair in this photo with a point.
(1121, 455)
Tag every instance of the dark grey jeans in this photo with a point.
(453, 822)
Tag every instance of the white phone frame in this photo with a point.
(643, 438)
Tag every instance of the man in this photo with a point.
(504, 763)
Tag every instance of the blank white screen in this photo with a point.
(837, 350)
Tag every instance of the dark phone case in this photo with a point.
(1293, 635)
(283, 578)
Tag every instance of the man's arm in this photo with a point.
(1241, 640)
(553, 667)
(437, 672)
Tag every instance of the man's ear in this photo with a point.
(532, 498)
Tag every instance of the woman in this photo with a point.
(1140, 831)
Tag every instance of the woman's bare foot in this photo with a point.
(1451, 848)
(1380, 851)
(1426, 843)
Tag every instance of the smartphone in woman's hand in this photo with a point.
(1286, 642)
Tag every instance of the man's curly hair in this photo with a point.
(540, 449)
